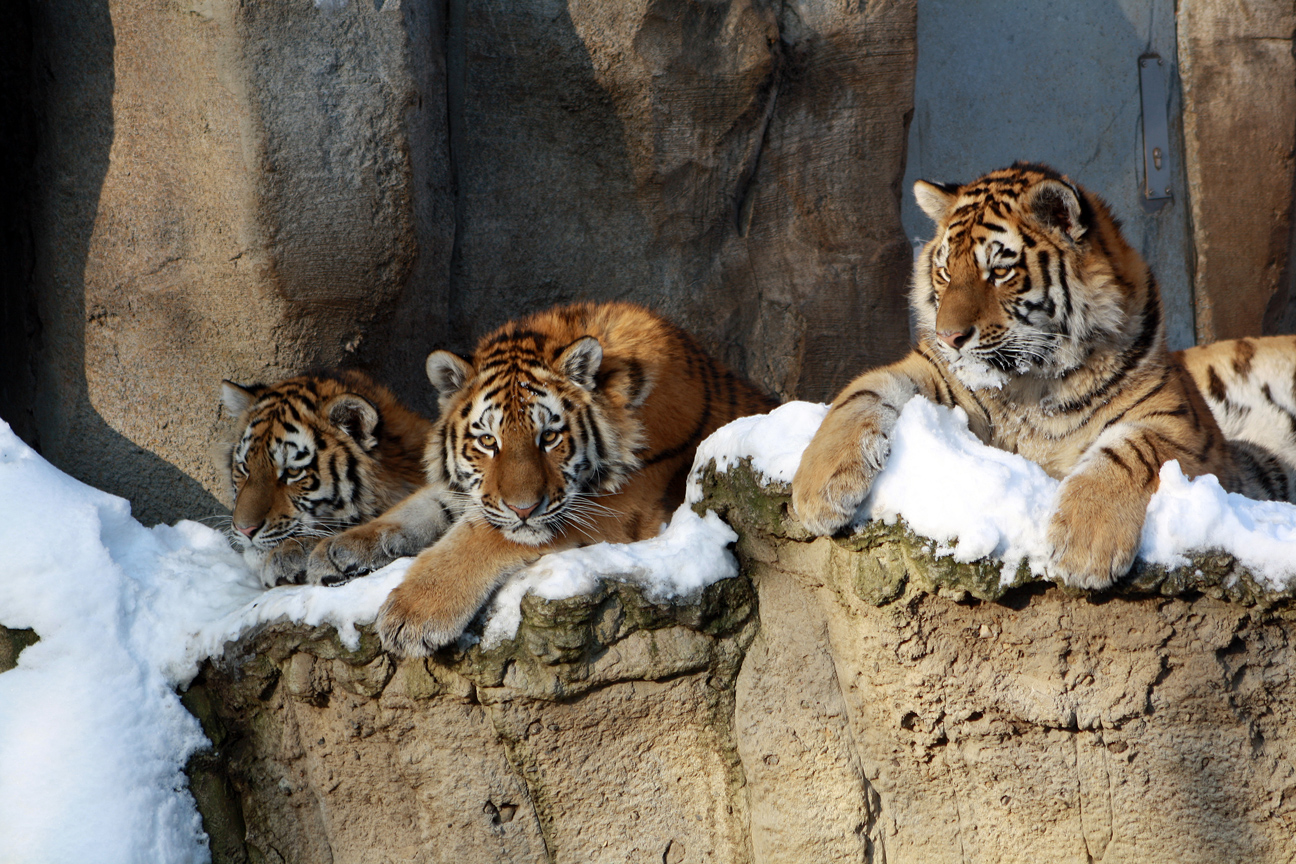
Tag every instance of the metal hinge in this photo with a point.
(1156, 131)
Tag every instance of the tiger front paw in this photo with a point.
(414, 622)
(1094, 534)
(831, 482)
(352, 553)
(285, 564)
(442, 591)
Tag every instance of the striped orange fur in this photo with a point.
(568, 427)
(313, 455)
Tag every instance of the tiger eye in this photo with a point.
(1000, 272)
(486, 440)
(549, 437)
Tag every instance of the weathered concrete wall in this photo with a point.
(1239, 79)
(854, 700)
(240, 190)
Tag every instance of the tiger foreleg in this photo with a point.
(849, 449)
(1097, 523)
(447, 584)
(406, 529)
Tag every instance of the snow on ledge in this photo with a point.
(976, 501)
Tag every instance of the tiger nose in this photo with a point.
(956, 339)
(523, 511)
(248, 530)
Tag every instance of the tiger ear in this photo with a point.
(935, 199)
(236, 398)
(448, 372)
(354, 415)
(1055, 204)
(580, 361)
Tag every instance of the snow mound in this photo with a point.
(691, 553)
(977, 502)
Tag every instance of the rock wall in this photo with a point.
(841, 700)
(1239, 77)
(221, 189)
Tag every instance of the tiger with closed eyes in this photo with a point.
(572, 426)
(1037, 318)
(313, 455)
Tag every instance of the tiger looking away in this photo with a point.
(1037, 318)
(314, 454)
(571, 426)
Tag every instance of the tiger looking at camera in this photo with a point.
(568, 427)
(1037, 318)
(313, 455)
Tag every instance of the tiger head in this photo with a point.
(531, 429)
(307, 461)
(1023, 276)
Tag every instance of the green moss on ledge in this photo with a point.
(895, 557)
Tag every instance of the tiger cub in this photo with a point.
(1250, 386)
(1037, 318)
(315, 454)
(568, 427)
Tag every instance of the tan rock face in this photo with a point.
(840, 701)
(246, 190)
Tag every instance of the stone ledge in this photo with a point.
(896, 555)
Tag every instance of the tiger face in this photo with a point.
(525, 439)
(1006, 287)
(315, 454)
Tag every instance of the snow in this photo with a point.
(773, 442)
(690, 553)
(973, 500)
(977, 502)
(93, 739)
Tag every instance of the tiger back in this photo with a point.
(571, 426)
(315, 454)
(1037, 318)
(1250, 387)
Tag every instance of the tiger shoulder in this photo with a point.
(1035, 316)
(571, 426)
(312, 455)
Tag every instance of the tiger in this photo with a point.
(1250, 387)
(312, 455)
(1037, 318)
(570, 426)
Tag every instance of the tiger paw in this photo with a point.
(1094, 534)
(285, 564)
(831, 482)
(352, 553)
(443, 589)
(415, 622)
